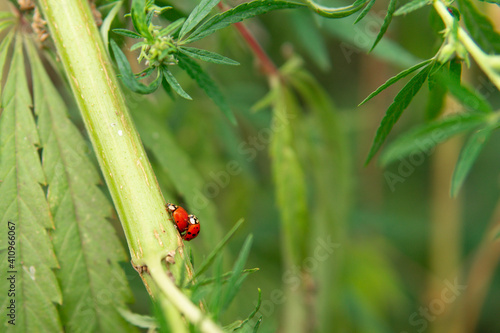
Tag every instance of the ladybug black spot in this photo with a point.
(189, 232)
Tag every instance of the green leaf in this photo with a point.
(468, 156)
(437, 94)
(206, 83)
(336, 12)
(138, 320)
(84, 240)
(466, 97)
(425, 137)
(237, 14)
(207, 56)
(254, 312)
(128, 77)
(6, 15)
(197, 15)
(174, 84)
(106, 23)
(139, 18)
(395, 79)
(127, 33)
(480, 27)
(491, 1)
(235, 281)
(4, 51)
(257, 325)
(23, 204)
(401, 102)
(5, 24)
(172, 27)
(217, 250)
(411, 6)
(385, 24)
(365, 11)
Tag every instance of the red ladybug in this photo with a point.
(180, 216)
(193, 229)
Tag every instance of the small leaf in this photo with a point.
(337, 12)
(254, 312)
(138, 320)
(172, 27)
(401, 102)
(106, 23)
(139, 18)
(197, 15)
(207, 56)
(128, 77)
(237, 14)
(480, 27)
(206, 83)
(395, 79)
(127, 33)
(385, 24)
(411, 6)
(257, 325)
(174, 84)
(468, 156)
(365, 11)
(425, 137)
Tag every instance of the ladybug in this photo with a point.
(180, 216)
(193, 229)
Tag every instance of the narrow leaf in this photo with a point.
(139, 18)
(197, 15)
(385, 24)
(395, 79)
(411, 7)
(30, 259)
(254, 312)
(84, 240)
(127, 33)
(237, 14)
(480, 27)
(172, 27)
(206, 83)
(207, 56)
(468, 156)
(365, 11)
(174, 84)
(401, 102)
(423, 138)
(128, 77)
(106, 23)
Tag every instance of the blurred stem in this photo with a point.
(267, 64)
(151, 237)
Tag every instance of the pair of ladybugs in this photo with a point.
(188, 225)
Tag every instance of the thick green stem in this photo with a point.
(123, 161)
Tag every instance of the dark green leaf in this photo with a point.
(387, 21)
(174, 84)
(139, 18)
(197, 15)
(365, 11)
(411, 6)
(401, 102)
(468, 156)
(425, 137)
(127, 33)
(207, 56)
(234, 283)
(480, 27)
(206, 83)
(237, 14)
(128, 77)
(85, 244)
(24, 208)
(395, 79)
(466, 96)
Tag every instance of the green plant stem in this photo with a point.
(122, 159)
(490, 64)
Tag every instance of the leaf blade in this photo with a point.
(197, 15)
(386, 23)
(207, 56)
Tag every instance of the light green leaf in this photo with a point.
(138, 320)
(5, 24)
(468, 156)
(174, 84)
(480, 27)
(395, 79)
(4, 51)
(197, 15)
(365, 11)
(336, 12)
(385, 24)
(140, 19)
(23, 202)
(411, 6)
(207, 56)
(84, 241)
(206, 83)
(106, 23)
(237, 14)
(172, 27)
(425, 137)
(6, 15)
(401, 102)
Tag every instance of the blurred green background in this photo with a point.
(405, 256)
